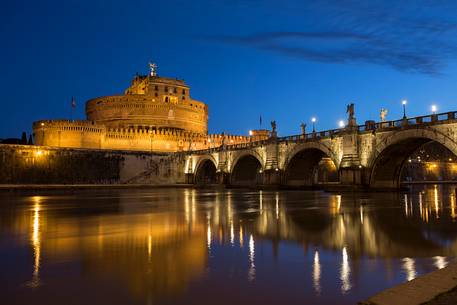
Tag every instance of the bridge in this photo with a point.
(367, 156)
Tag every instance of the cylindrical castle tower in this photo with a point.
(151, 102)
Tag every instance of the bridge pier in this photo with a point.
(222, 178)
(272, 177)
(352, 175)
(189, 178)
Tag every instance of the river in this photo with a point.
(207, 246)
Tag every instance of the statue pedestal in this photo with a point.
(352, 123)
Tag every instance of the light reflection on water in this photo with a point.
(169, 246)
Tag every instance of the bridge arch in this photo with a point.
(246, 169)
(389, 156)
(303, 165)
(205, 171)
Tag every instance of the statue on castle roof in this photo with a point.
(153, 68)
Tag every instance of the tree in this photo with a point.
(24, 138)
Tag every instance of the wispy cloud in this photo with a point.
(383, 33)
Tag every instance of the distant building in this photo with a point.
(432, 162)
(154, 114)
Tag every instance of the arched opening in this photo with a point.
(246, 172)
(310, 167)
(413, 160)
(206, 173)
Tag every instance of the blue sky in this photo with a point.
(285, 60)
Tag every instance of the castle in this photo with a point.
(154, 114)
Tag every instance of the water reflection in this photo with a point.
(409, 266)
(317, 273)
(251, 271)
(36, 243)
(164, 245)
(345, 272)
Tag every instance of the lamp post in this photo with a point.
(404, 108)
(341, 124)
(434, 109)
(314, 121)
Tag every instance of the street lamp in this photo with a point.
(341, 124)
(404, 108)
(434, 109)
(314, 121)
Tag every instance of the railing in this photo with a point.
(369, 126)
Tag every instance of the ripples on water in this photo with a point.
(186, 246)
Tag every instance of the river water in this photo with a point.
(187, 246)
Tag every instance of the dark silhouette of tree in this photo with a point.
(24, 138)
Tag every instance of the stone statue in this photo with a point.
(303, 128)
(153, 68)
(350, 111)
(223, 139)
(273, 126)
(383, 114)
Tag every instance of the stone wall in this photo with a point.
(29, 164)
(90, 135)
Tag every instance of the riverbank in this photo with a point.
(35, 187)
(435, 288)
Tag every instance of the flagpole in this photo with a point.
(73, 106)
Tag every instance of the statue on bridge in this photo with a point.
(273, 129)
(350, 111)
(303, 128)
(383, 114)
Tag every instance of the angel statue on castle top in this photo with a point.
(153, 68)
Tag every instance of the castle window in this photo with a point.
(156, 88)
(175, 90)
(184, 91)
(156, 95)
(166, 99)
(183, 97)
(166, 89)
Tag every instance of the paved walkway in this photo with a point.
(421, 290)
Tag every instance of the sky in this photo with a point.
(286, 61)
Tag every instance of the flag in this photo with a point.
(260, 121)
(73, 102)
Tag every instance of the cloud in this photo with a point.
(385, 33)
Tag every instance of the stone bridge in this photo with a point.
(370, 155)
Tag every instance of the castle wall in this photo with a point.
(87, 134)
(26, 164)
